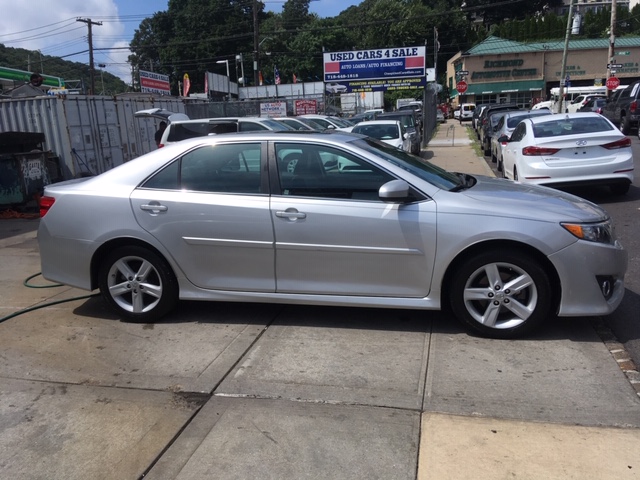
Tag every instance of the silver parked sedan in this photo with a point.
(328, 219)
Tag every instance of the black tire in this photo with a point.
(499, 167)
(619, 188)
(625, 125)
(494, 159)
(501, 294)
(142, 299)
(515, 174)
(486, 148)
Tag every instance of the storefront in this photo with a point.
(504, 71)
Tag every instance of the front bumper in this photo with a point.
(581, 268)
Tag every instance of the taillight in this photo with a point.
(599, 110)
(539, 151)
(45, 204)
(633, 106)
(160, 145)
(622, 143)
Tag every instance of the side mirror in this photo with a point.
(394, 191)
(503, 139)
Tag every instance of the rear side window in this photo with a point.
(225, 168)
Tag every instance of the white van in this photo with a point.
(466, 111)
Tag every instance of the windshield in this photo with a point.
(381, 132)
(426, 171)
(275, 125)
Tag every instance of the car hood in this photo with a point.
(499, 196)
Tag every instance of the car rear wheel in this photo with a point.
(625, 125)
(501, 294)
(138, 284)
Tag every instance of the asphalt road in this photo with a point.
(625, 211)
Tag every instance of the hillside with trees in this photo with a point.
(34, 61)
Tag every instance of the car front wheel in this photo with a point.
(501, 294)
(138, 284)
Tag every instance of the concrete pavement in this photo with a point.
(239, 391)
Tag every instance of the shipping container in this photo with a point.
(90, 134)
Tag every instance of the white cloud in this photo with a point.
(53, 30)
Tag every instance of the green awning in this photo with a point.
(505, 87)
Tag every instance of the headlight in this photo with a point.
(601, 232)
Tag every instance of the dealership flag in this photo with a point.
(186, 84)
(295, 79)
(277, 75)
(260, 78)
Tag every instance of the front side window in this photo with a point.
(225, 168)
(327, 172)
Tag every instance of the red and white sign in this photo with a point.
(612, 83)
(461, 86)
(151, 82)
(304, 107)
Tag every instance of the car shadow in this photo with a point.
(579, 329)
(602, 194)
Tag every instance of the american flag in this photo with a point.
(276, 73)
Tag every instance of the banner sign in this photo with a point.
(151, 82)
(273, 109)
(305, 107)
(378, 64)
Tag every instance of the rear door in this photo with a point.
(210, 210)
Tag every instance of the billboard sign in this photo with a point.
(378, 69)
(151, 82)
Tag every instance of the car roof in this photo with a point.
(554, 116)
(378, 122)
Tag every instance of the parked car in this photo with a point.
(483, 118)
(184, 129)
(410, 123)
(581, 100)
(569, 149)
(595, 104)
(488, 128)
(476, 113)
(330, 122)
(440, 117)
(391, 132)
(466, 111)
(364, 117)
(505, 128)
(333, 88)
(355, 223)
(296, 123)
(623, 109)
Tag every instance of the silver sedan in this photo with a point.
(328, 219)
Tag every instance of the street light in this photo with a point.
(241, 60)
(256, 59)
(228, 79)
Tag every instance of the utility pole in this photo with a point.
(612, 41)
(256, 45)
(92, 72)
(564, 59)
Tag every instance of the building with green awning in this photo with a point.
(506, 71)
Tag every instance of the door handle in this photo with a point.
(154, 207)
(291, 214)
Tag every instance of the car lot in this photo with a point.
(234, 390)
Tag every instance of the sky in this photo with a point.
(56, 31)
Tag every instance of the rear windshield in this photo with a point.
(513, 122)
(182, 131)
(571, 126)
